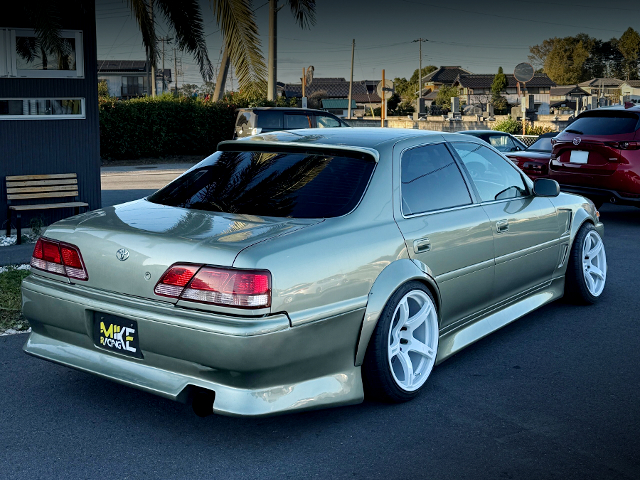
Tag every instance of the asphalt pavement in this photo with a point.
(553, 395)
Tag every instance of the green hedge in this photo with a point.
(162, 126)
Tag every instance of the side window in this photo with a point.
(502, 143)
(431, 180)
(296, 121)
(269, 119)
(327, 122)
(492, 175)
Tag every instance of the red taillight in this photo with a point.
(217, 286)
(233, 288)
(174, 280)
(59, 258)
(623, 145)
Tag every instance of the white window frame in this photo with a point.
(8, 56)
(80, 116)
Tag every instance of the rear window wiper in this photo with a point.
(574, 131)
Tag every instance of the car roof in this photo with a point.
(365, 137)
(288, 109)
(482, 132)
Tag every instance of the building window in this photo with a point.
(41, 108)
(21, 55)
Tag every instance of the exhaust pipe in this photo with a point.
(202, 402)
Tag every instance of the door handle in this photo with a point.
(502, 226)
(422, 245)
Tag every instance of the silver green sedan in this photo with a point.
(301, 270)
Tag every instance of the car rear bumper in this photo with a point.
(603, 194)
(255, 366)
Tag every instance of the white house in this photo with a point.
(128, 78)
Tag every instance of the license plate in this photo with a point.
(578, 156)
(116, 334)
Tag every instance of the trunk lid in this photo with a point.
(157, 236)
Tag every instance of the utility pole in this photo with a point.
(222, 75)
(272, 65)
(164, 78)
(420, 40)
(383, 106)
(153, 60)
(353, 47)
(175, 66)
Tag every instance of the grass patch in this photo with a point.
(11, 299)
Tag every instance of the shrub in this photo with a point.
(161, 126)
(514, 127)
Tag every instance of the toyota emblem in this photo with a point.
(576, 141)
(122, 254)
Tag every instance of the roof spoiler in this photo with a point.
(257, 144)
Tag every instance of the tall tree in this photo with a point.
(500, 82)
(408, 89)
(629, 47)
(565, 60)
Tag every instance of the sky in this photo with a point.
(478, 36)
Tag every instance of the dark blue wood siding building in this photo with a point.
(49, 106)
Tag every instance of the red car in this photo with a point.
(534, 161)
(598, 156)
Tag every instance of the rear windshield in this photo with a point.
(603, 122)
(542, 145)
(298, 185)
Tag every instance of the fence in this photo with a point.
(528, 140)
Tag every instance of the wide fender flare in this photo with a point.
(581, 216)
(392, 277)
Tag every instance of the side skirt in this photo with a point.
(455, 340)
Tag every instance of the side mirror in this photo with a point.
(545, 187)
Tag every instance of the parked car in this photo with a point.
(251, 121)
(501, 141)
(298, 270)
(534, 161)
(598, 156)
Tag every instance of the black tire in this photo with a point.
(377, 378)
(575, 288)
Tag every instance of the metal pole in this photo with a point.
(175, 66)
(304, 82)
(420, 80)
(222, 76)
(153, 60)
(383, 107)
(164, 83)
(273, 28)
(353, 47)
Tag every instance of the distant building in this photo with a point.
(630, 91)
(364, 92)
(565, 96)
(476, 89)
(602, 87)
(442, 76)
(128, 78)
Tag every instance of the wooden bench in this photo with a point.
(36, 187)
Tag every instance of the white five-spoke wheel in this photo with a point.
(413, 340)
(404, 345)
(594, 263)
(587, 268)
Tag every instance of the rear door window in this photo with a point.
(297, 121)
(603, 122)
(324, 121)
(298, 185)
(269, 119)
(502, 143)
(431, 180)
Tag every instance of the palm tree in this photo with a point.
(235, 18)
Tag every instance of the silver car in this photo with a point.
(300, 270)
